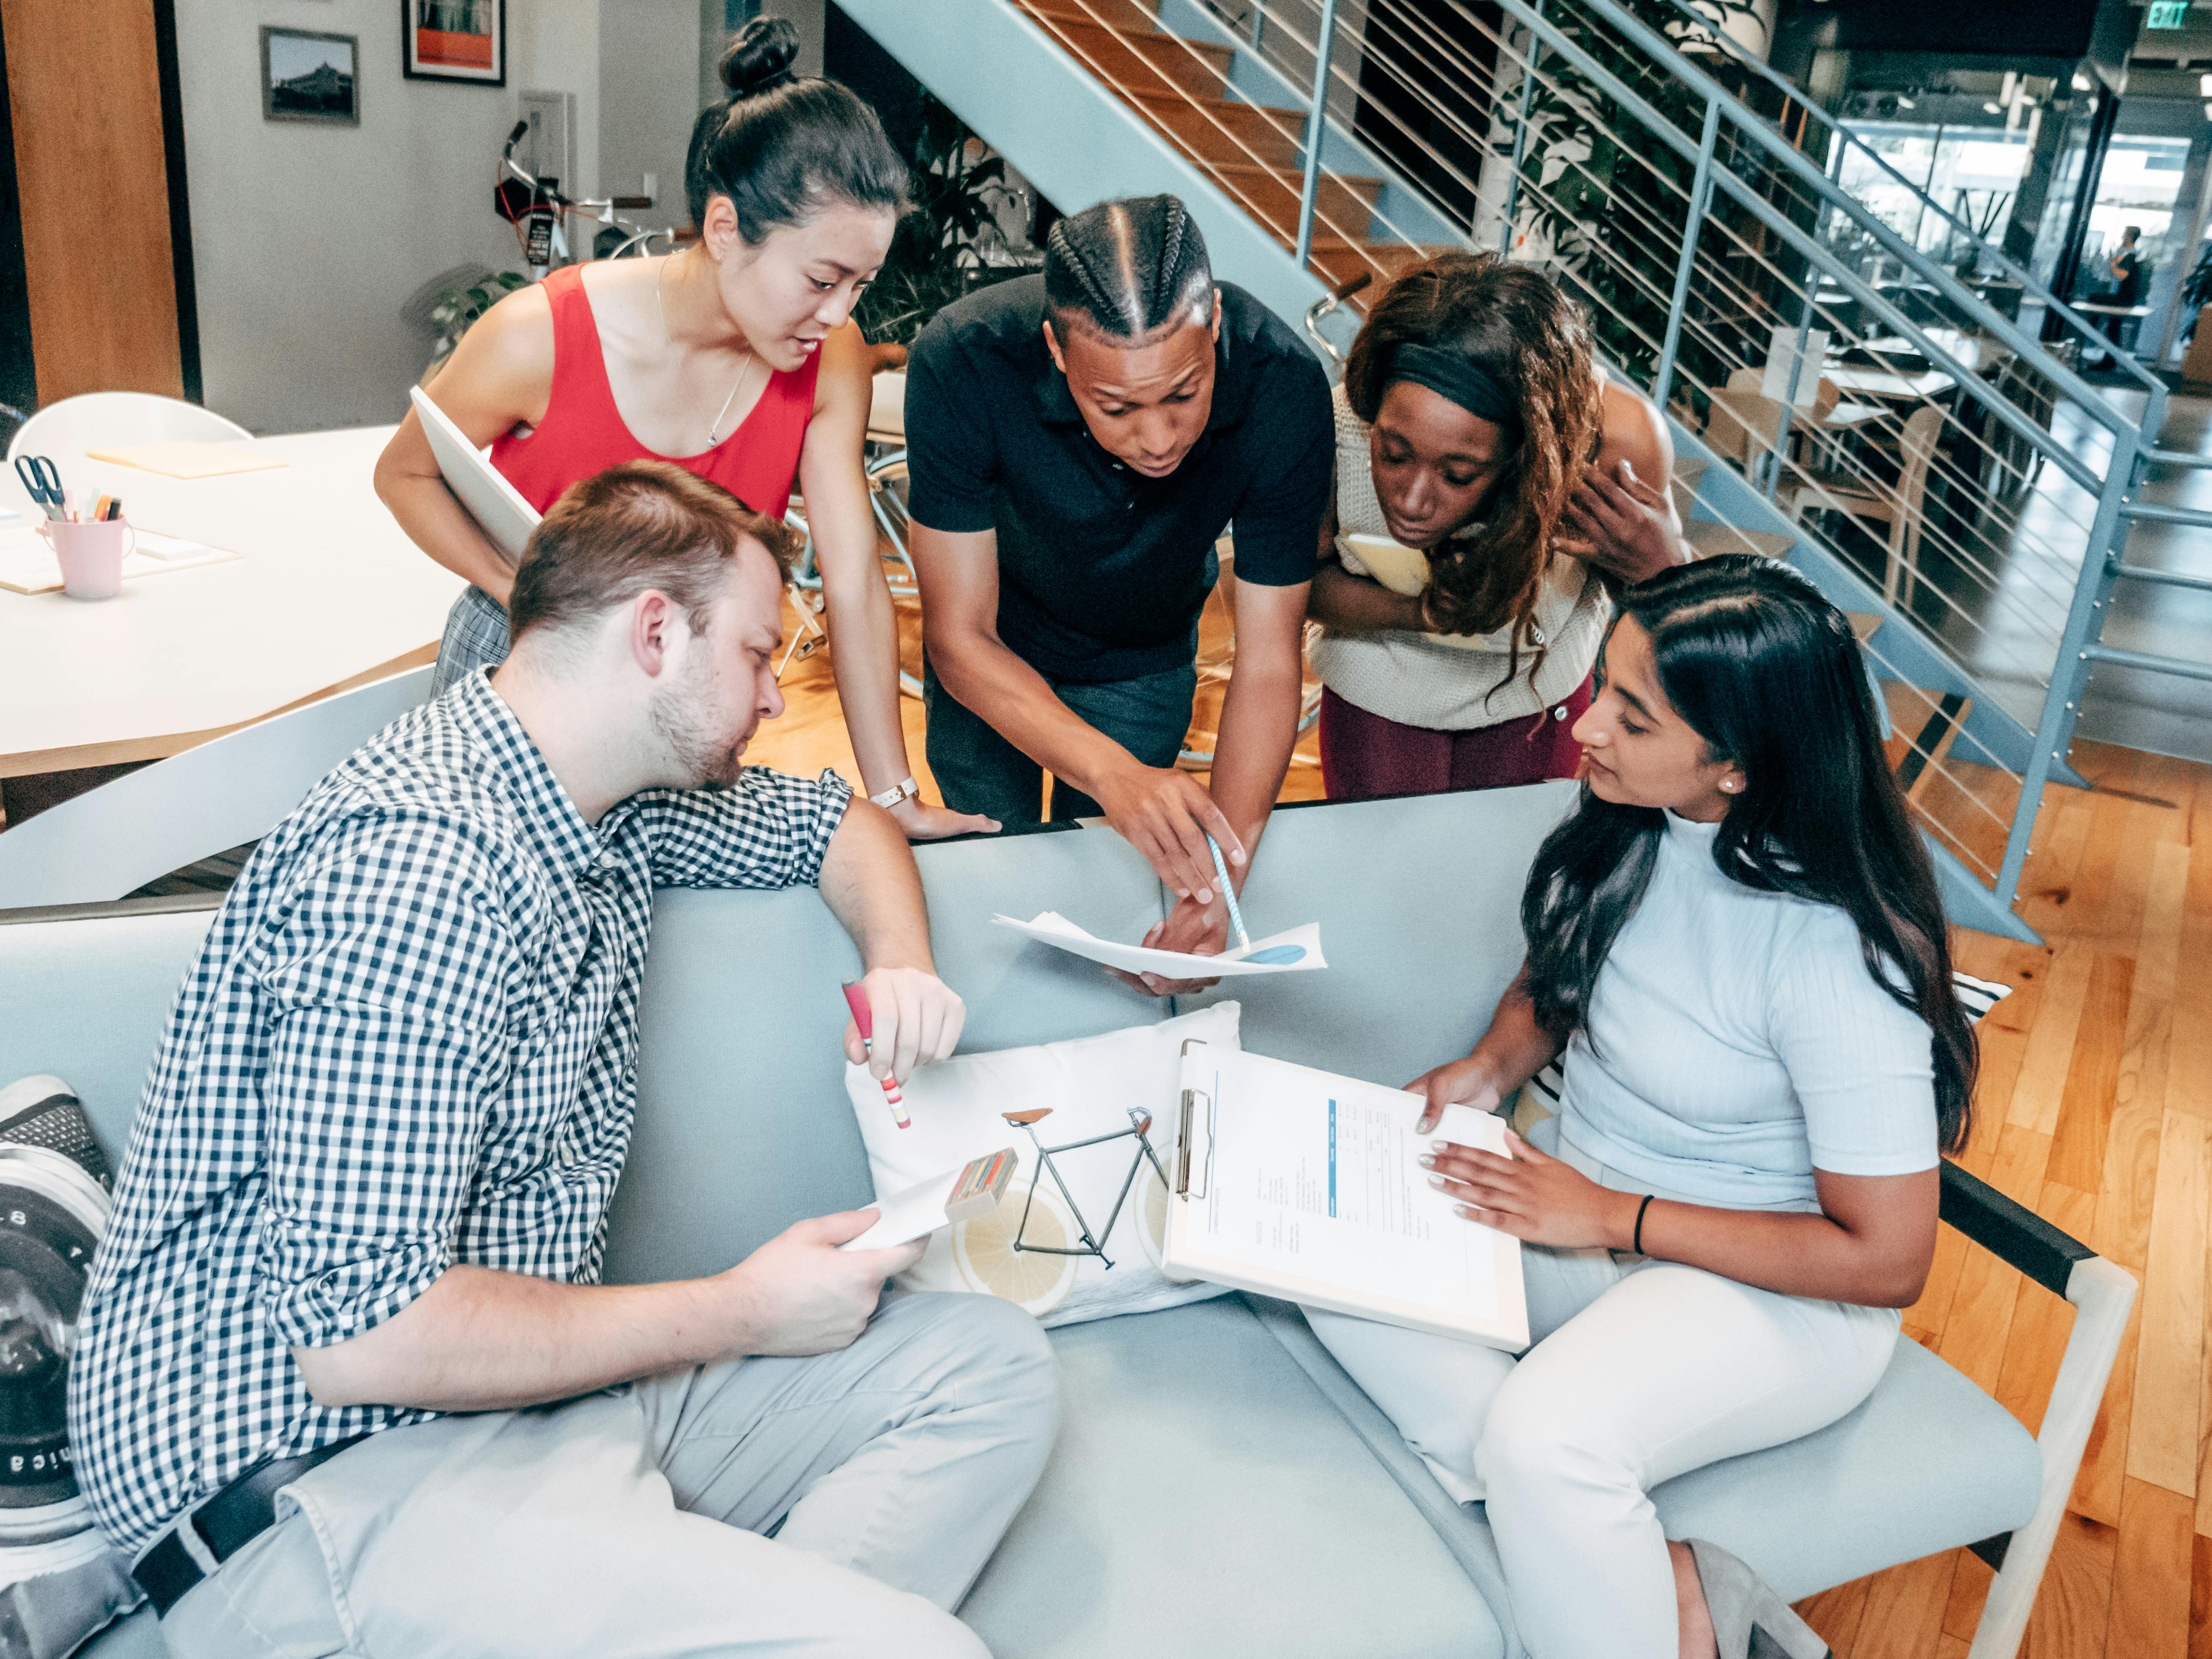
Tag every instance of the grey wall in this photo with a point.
(307, 239)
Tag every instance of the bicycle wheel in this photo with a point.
(983, 1250)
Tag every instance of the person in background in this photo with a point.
(2125, 271)
(1736, 943)
(1077, 442)
(735, 358)
(347, 1381)
(1473, 427)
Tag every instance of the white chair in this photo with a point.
(114, 839)
(109, 418)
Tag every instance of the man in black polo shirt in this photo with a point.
(1076, 441)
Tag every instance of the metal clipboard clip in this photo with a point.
(1190, 1099)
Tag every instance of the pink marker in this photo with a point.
(857, 1001)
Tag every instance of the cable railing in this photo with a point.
(1946, 453)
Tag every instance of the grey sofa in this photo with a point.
(1220, 1487)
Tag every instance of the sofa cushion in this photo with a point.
(1205, 1498)
(1420, 902)
(742, 1122)
(87, 1001)
(1089, 1086)
(1926, 1462)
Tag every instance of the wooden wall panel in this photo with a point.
(85, 94)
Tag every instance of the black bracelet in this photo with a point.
(1635, 1247)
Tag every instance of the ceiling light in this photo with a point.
(2204, 85)
(2080, 82)
(2011, 85)
(1993, 109)
(2208, 112)
(1903, 102)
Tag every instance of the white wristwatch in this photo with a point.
(905, 789)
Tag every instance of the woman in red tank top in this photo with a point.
(735, 359)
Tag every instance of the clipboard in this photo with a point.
(1295, 1183)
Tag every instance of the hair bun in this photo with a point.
(759, 57)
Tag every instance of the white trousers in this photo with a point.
(1637, 1371)
(836, 1507)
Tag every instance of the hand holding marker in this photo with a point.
(856, 999)
(1273, 954)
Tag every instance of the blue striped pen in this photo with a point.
(1235, 916)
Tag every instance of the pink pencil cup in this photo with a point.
(91, 555)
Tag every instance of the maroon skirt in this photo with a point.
(1365, 756)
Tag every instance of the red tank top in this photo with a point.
(583, 433)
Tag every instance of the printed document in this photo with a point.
(1309, 1187)
(1054, 929)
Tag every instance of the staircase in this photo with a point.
(1942, 471)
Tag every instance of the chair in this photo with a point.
(1903, 509)
(114, 839)
(106, 418)
(2012, 462)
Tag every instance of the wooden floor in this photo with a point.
(2095, 1110)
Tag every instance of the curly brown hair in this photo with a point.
(1511, 321)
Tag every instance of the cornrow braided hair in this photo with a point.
(1514, 322)
(1127, 268)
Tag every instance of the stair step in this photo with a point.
(1923, 725)
(1708, 536)
(1218, 130)
(1129, 15)
(1131, 61)
(1271, 195)
(1336, 260)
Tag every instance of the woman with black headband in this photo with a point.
(1490, 485)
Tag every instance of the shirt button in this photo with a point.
(1560, 713)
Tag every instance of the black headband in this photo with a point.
(1447, 374)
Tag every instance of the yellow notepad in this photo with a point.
(188, 460)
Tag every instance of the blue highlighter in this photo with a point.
(1274, 955)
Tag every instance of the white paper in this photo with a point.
(154, 545)
(904, 1217)
(1782, 356)
(1309, 1185)
(1054, 929)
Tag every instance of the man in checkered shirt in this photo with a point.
(346, 1380)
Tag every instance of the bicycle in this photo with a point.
(990, 1257)
(538, 210)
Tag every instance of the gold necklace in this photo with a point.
(744, 369)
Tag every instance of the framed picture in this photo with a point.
(454, 40)
(306, 76)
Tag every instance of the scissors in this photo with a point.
(44, 482)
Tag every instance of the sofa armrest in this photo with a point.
(2102, 1293)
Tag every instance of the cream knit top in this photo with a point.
(1445, 684)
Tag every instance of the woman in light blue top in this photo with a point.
(1736, 943)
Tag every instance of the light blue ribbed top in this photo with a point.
(1736, 1042)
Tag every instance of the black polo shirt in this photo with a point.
(1102, 571)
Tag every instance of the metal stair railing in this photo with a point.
(1719, 234)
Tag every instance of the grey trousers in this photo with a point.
(839, 1505)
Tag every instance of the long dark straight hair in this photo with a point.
(1767, 672)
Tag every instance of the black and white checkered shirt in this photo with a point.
(410, 1040)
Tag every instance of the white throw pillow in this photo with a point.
(1090, 1086)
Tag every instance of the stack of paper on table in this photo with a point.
(1294, 1183)
(27, 564)
(1054, 929)
(188, 460)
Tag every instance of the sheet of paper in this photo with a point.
(154, 545)
(1310, 1185)
(27, 564)
(1054, 929)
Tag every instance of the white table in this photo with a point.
(329, 593)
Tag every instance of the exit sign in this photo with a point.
(2167, 14)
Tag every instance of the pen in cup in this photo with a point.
(1235, 916)
(856, 999)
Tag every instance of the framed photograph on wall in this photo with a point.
(461, 40)
(307, 76)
